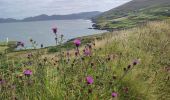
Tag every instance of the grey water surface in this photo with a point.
(41, 32)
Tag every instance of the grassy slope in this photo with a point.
(134, 13)
(134, 5)
(152, 45)
(147, 81)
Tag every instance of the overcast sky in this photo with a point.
(25, 8)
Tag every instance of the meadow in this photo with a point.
(131, 64)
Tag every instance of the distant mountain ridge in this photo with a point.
(43, 17)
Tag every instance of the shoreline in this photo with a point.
(85, 40)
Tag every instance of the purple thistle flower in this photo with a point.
(77, 42)
(89, 80)
(114, 94)
(27, 72)
(54, 30)
(87, 52)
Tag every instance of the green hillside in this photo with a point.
(131, 64)
(133, 13)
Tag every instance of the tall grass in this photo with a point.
(131, 64)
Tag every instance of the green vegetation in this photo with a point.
(132, 63)
(69, 44)
(130, 19)
(10, 46)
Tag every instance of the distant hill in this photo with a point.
(83, 15)
(134, 5)
(3, 20)
(133, 13)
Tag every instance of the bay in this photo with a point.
(41, 31)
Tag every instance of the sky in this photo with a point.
(25, 8)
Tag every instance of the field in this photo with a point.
(132, 64)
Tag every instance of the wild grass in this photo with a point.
(134, 64)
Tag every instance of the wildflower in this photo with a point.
(77, 42)
(62, 36)
(42, 45)
(76, 53)
(114, 94)
(54, 30)
(109, 58)
(89, 45)
(31, 40)
(34, 42)
(87, 52)
(135, 62)
(19, 43)
(56, 39)
(129, 66)
(89, 80)
(27, 72)
(124, 69)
